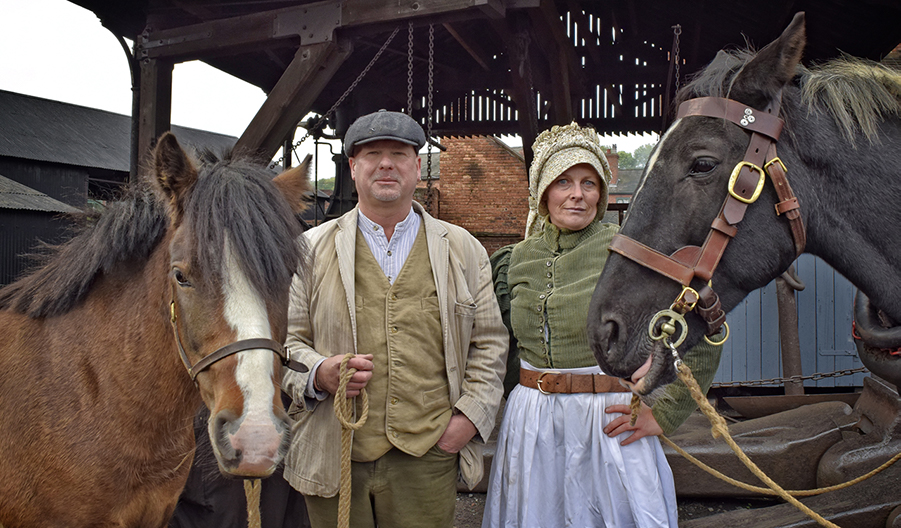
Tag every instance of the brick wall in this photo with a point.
(484, 188)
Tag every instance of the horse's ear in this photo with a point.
(175, 173)
(294, 184)
(773, 66)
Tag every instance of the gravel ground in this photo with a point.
(470, 507)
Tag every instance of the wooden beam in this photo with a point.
(311, 23)
(293, 95)
(475, 51)
(512, 32)
(362, 12)
(556, 44)
(155, 108)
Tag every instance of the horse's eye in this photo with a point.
(180, 278)
(702, 166)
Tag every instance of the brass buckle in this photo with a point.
(539, 380)
(766, 166)
(682, 306)
(734, 177)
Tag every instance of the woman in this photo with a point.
(566, 453)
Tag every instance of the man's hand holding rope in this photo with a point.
(328, 374)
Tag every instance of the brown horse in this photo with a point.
(97, 403)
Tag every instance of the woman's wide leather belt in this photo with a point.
(550, 382)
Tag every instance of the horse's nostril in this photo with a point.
(612, 331)
(608, 344)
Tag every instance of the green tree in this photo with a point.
(627, 161)
(327, 184)
(636, 160)
(642, 154)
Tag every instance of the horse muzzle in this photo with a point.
(248, 447)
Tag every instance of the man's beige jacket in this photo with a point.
(322, 323)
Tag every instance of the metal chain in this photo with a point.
(410, 69)
(340, 99)
(428, 135)
(791, 379)
(677, 30)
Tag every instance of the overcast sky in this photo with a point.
(57, 50)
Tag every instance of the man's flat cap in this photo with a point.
(383, 124)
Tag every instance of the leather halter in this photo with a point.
(745, 186)
(283, 353)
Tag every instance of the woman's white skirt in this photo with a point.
(555, 467)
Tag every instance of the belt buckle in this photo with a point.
(539, 380)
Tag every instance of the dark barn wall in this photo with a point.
(65, 183)
(21, 233)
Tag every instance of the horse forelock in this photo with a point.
(716, 80)
(234, 200)
(125, 231)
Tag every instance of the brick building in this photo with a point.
(482, 185)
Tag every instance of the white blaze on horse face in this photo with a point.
(651, 163)
(245, 311)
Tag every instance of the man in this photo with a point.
(412, 298)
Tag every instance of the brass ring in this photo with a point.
(539, 380)
(676, 319)
(725, 337)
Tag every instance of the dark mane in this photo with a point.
(127, 230)
(856, 93)
(231, 196)
(235, 198)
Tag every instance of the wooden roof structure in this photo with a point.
(499, 66)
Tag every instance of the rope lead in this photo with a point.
(344, 411)
(720, 429)
(252, 488)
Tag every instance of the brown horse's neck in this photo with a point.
(103, 385)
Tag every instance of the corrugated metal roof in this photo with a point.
(14, 195)
(40, 129)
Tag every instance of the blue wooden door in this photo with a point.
(825, 311)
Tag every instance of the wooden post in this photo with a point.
(788, 334)
(155, 108)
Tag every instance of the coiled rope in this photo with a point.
(344, 410)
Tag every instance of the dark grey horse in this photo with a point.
(841, 145)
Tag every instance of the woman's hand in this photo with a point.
(644, 426)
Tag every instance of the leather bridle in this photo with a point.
(745, 186)
(282, 352)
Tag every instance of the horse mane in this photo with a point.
(856, 93)
(127, 230)
(225, 201)
(859, 93)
